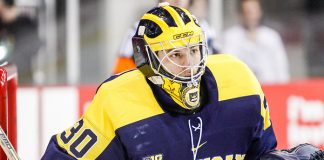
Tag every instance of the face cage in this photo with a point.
(160, 69)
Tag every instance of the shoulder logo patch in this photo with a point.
(154, 157)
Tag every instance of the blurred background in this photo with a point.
(63, 49)
(77, 42)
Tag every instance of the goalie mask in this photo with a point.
(170, 50)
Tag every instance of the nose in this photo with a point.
(187, 62)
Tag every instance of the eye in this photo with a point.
(175, 55)
(194, 50)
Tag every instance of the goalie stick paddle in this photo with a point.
(7, 147)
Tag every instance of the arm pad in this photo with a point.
(301, 152)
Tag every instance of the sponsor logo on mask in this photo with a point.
(183, 35)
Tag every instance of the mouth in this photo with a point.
(188, 73)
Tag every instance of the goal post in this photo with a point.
(8, 112)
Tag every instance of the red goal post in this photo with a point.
(8, 113)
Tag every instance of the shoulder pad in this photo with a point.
(234, 78)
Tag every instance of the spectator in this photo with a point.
(19, 32)
(125, 59)
(199, 9)
(259, 46)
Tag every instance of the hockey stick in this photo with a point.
(7, 147)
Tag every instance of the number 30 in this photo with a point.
(73, 148)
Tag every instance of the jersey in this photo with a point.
(131, 118)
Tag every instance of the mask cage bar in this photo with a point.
(156, 63)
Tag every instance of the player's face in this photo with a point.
(181, 62)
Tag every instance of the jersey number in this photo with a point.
(79, 152)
